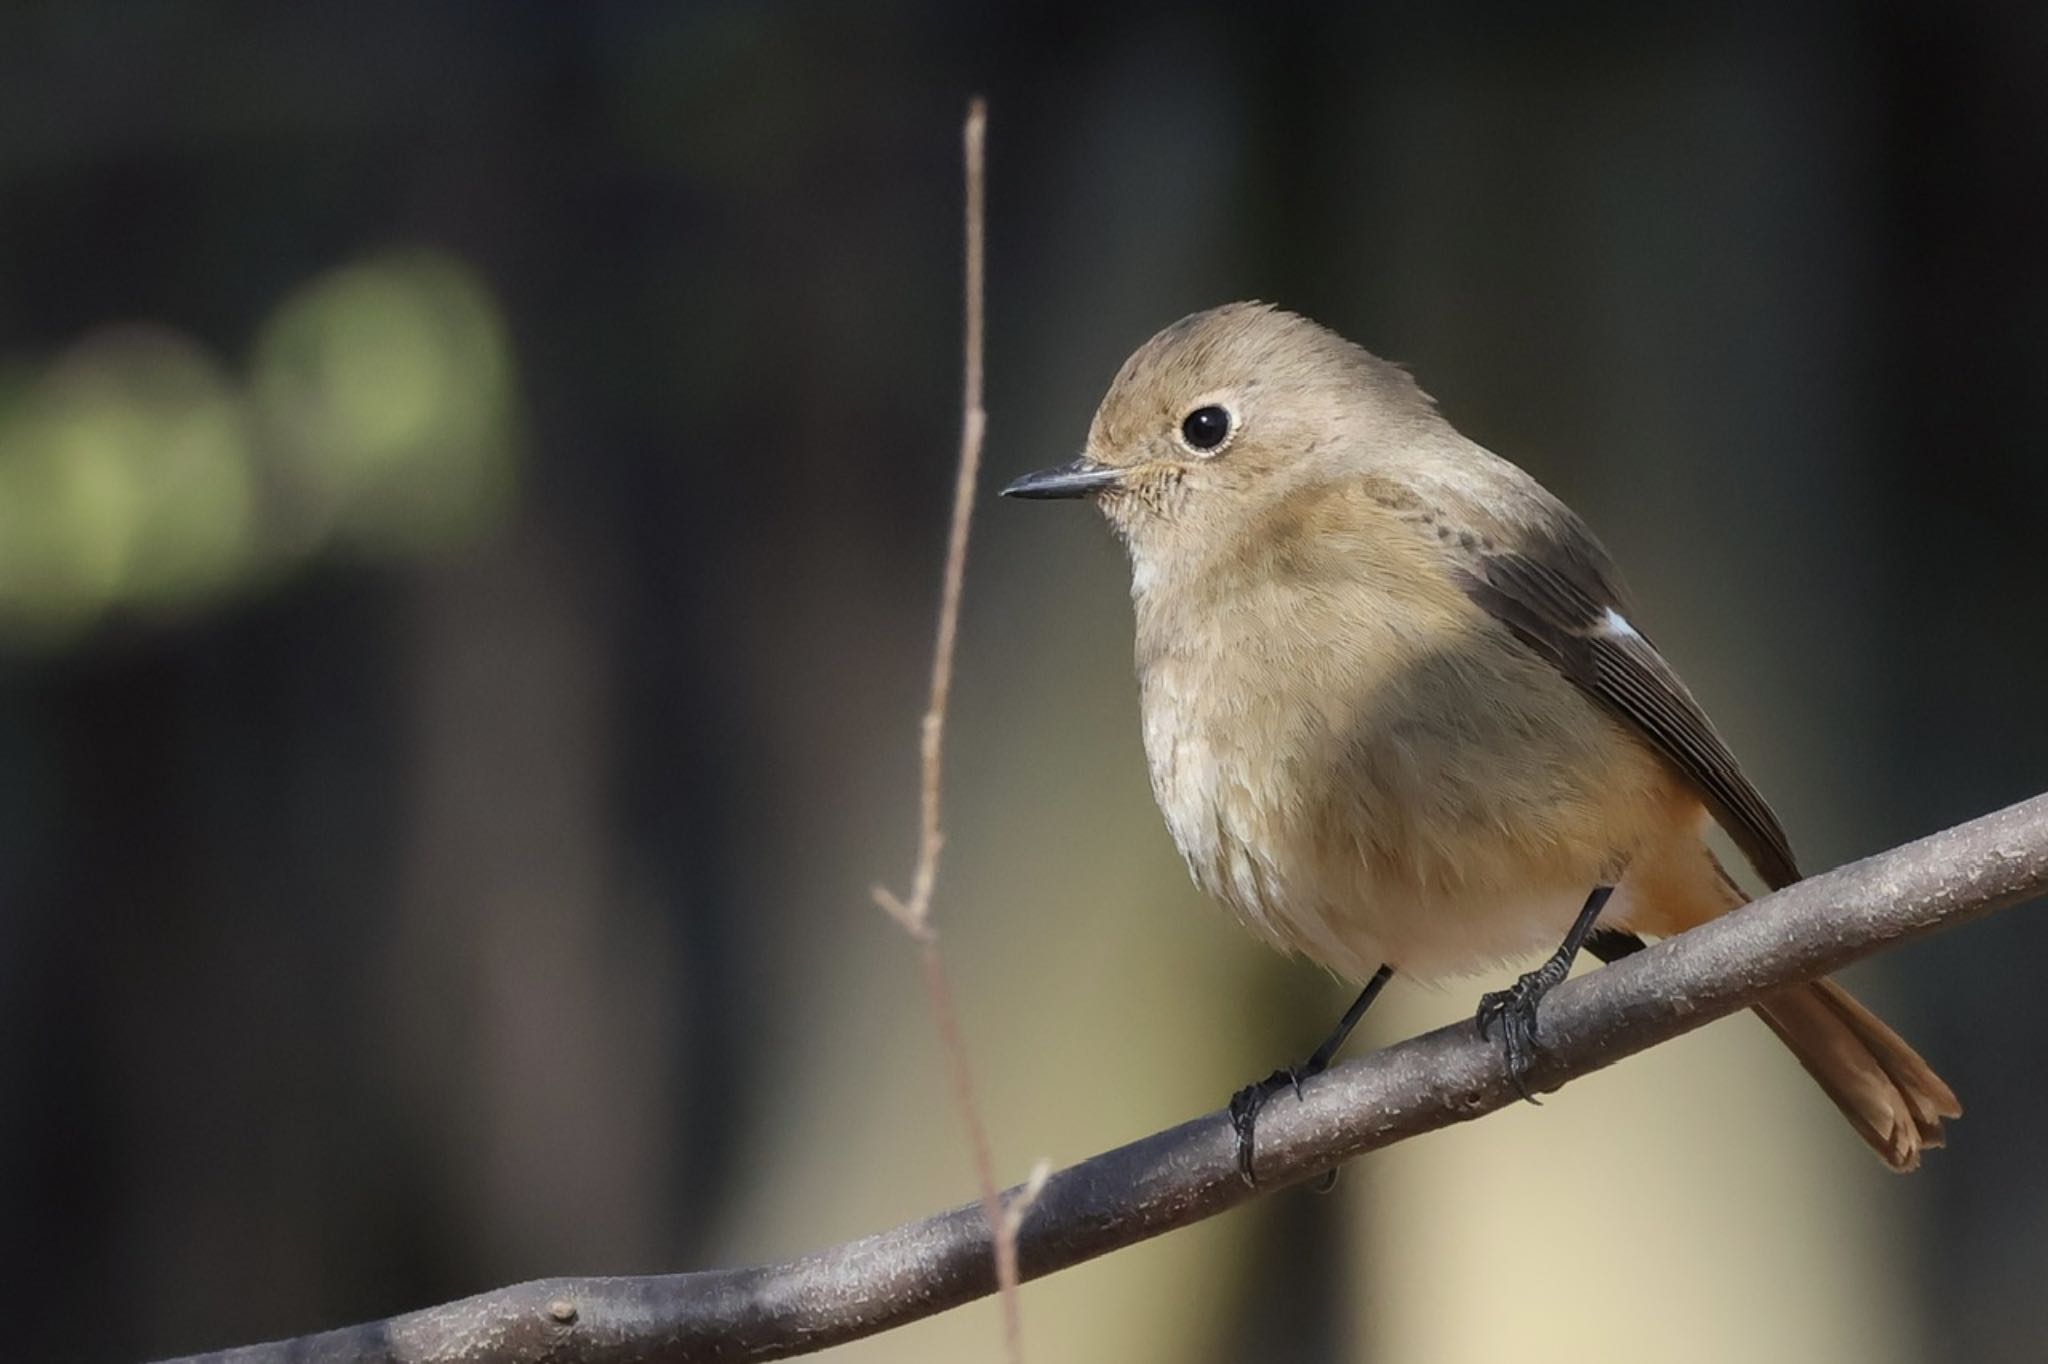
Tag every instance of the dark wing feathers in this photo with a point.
(1556, 594)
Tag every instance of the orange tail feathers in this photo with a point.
(1889, 1094)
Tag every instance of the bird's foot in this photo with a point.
(1514, 1009)
(1244, 1114)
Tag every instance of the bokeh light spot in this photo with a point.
(124, 479)
(387, 391)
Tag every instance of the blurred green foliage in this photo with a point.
(140, 475)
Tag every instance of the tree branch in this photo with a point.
(1183, 1175)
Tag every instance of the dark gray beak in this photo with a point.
(1081, 477)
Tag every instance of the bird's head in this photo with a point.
(1223, 416)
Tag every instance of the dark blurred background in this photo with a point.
(471, 490)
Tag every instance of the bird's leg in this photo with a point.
(1515, 1008)
(1612, 944)
(1246, 1103)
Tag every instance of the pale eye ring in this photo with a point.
(1205, 429)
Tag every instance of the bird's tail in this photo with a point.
(1889, 1094)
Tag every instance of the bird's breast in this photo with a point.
(1369, 779)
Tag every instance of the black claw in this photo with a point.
(1515, 1010)
(1246, 1103)
(1245, 1106)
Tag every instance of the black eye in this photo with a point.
(1205, 427)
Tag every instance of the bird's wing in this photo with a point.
(1558, 593)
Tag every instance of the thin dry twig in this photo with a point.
(916, 914)
(1017, 1203)
(1187, 1173)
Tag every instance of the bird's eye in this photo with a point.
(1206, 428)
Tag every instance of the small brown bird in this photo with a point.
(1397, 711)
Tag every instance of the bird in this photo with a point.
(1398, 713)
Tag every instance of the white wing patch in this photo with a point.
(1617, 625)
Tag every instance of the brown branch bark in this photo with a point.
(1183, 1175)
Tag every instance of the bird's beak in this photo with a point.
(1076, 478)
